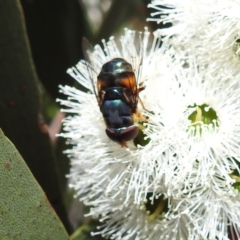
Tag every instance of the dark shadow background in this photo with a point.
(56, 27)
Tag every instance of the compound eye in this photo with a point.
(129, 133)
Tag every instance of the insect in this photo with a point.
(117, 95)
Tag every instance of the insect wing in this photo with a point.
(134, 50)
(88, 54)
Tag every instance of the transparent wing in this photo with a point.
(88, 55)
(133, 51)
(140, 64)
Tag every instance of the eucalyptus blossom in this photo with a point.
(188, 153)
(209, 28)
(155, 218)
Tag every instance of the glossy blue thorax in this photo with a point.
(117, 65)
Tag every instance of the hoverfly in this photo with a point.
(117, 92)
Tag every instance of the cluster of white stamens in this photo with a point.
(182, 183)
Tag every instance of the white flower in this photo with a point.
(209, 28)
(196, 120)
(202, 214)
(190, 17)
(153, 219)
(214, 215)
(193, 130)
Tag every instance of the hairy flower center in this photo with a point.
(185, 64)
(236, 177)
(155, 206)
(141, 138)
(202, 119)
(236, 47)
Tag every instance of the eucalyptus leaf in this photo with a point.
(25, 212)
(20, 106)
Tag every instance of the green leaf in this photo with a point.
(20, 105)
(25, 212)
